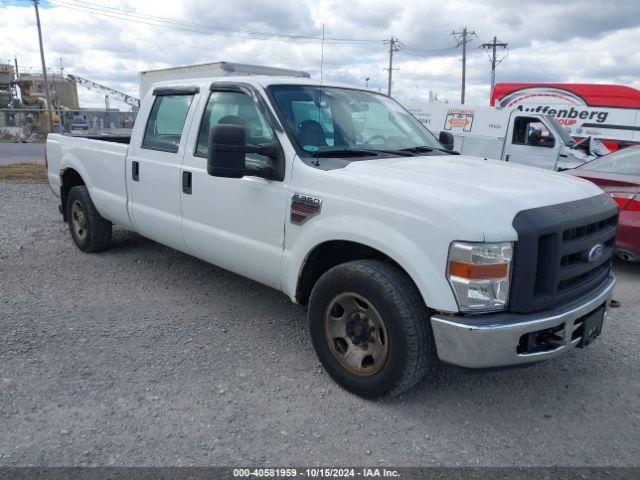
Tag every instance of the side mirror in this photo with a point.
(226, 155)
(228, 149)
(446, 139)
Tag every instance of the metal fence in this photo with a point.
(30, 124)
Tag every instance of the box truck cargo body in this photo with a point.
(209, 70)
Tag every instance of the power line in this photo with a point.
(404, 63)
(493, 46)
(206, 29)
(157, 21)
(428, 53)
(193, 27)
(464, 40)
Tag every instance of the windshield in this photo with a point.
(560, 130)
(342, 119)
(626, 161)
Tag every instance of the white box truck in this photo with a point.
(211, 70)
(507, 134)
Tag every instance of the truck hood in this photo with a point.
(471, 190)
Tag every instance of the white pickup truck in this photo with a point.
(403, 251)
(508, 134)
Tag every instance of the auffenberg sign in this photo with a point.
(565, 106)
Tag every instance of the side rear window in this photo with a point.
(166, 122)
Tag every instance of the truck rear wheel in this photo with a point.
(90, 232)
(370, 328)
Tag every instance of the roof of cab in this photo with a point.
(257, 80)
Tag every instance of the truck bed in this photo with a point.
(100, 161)
(126, 139)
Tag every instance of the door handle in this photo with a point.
(186, 182)
(135, 170)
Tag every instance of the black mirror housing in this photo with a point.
(446, 139)
(226, 154)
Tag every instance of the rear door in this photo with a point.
(530, 142)
(153, 166)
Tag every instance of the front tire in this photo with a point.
(89, 231)
(370, 328)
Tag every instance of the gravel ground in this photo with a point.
(144, 356)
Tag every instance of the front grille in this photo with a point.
(575, 268)
(576, 233)
(551, 262)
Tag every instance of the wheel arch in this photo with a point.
(415, 249)
(329, 254)
(69, 178)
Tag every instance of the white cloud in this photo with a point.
(577, 40)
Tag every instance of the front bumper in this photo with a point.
(493, 340)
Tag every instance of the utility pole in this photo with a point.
(15, 85)
(394, 46)
(44, 68)
(106, 109)
(464, 34)
(493, 46)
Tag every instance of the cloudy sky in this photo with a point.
(109, 41)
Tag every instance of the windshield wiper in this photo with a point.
(345, 152)
(425, 148)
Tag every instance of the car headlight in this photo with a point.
(479, 274)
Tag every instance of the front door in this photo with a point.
(235, 223)
(530, 142)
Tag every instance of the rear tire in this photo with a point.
(89, 231)
(370, 328)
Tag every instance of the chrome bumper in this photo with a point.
(492, 340)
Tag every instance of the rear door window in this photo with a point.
(166, 122)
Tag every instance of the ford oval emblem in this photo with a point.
(595, 253)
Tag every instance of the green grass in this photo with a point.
(23, 171)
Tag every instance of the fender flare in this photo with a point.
(428, 277)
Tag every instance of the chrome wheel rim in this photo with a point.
(356, 334)
(79, 220)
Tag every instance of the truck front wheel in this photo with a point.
(90, 232)
(370, 328)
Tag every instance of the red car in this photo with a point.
(618, 174)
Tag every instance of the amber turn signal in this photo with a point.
(473, 271)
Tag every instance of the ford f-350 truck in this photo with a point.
(403, 251)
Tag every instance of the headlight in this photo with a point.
(479, 274)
